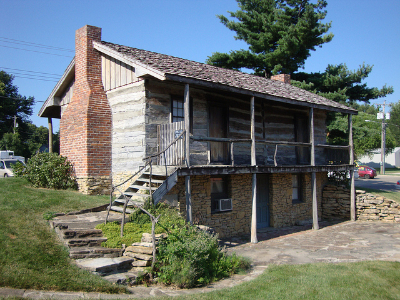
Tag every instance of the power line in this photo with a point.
(30, 71)
(19, 99)
(14, 41)
(35, 78)
(35, 51)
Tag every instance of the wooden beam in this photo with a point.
(187, 124)
(50, 135)
(253, 133)
(253, 163)
(313, 174)
(352, 184)
(188, 190)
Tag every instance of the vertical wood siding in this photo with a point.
(167, 133)
(116, 73)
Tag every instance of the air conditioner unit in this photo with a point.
(225, 204)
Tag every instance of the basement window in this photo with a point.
(297, 191)
(220, 201)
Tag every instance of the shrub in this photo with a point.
(48, 170)
(189, 257)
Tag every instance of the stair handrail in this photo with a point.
(115, 187)
(150, 157)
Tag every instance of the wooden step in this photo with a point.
(133, 194)
(148, 180)
(142, 187)
(121, 209)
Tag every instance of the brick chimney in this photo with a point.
(281, 77)
(85, 125)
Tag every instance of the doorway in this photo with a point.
(262, 201)
(218, 128)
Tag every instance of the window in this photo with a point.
(219, 195)
(297, 196)
(178, 113)
(178, 110)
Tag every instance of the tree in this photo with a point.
(340, 84)
(280, 35)
(13, 105)
(366, 135)
(394, 121)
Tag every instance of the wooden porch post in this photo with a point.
(313, 174)
(254, 179)
(188, 189)
(352, 185)
(50, 134)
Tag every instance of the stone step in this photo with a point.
(138, 256)
(147, 238)
(94, 252)
(85, 242)
(80, 233)
(140, 249)
(105, 266)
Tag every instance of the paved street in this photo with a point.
(381, 182)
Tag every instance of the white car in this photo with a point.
(6, 166)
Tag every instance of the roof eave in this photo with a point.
(145, 70)
(51, 106)
(220, 86)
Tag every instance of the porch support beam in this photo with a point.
(188, 187)
(254, 177)
(352, 184)
(50, 134)
(313, 174)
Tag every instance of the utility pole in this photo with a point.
(15, 123)
(383, 141)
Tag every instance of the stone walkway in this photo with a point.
(343, 242)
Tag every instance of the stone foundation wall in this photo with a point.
(238, 221)
(226, 224)
(99, 185)
(283, 212)
(336, 205)
(376, 208)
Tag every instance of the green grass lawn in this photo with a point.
(31, 257)
(363, 280)
(395, 195)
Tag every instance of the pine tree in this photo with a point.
(280, 35)
(340, 84)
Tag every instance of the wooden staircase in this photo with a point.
(152, 181)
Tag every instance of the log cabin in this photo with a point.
(232, 151)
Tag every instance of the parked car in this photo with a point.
(366, 172)
(398, 185)
(6, 166)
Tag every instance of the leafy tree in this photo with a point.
(394, 122)
(13, 104)
(340, 84)
(366, 135)
(280, 35)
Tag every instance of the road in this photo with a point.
(381, 182)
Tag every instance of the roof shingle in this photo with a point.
(190, 69)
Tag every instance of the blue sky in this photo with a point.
(365, 31)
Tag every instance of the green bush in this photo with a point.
(48, 170)
(190, 257)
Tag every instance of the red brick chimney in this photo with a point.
(85, 126)
(281, 77)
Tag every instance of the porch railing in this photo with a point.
(331, 156)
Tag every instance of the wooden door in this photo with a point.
(262, 200)
(218, 127)
(302, 135)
